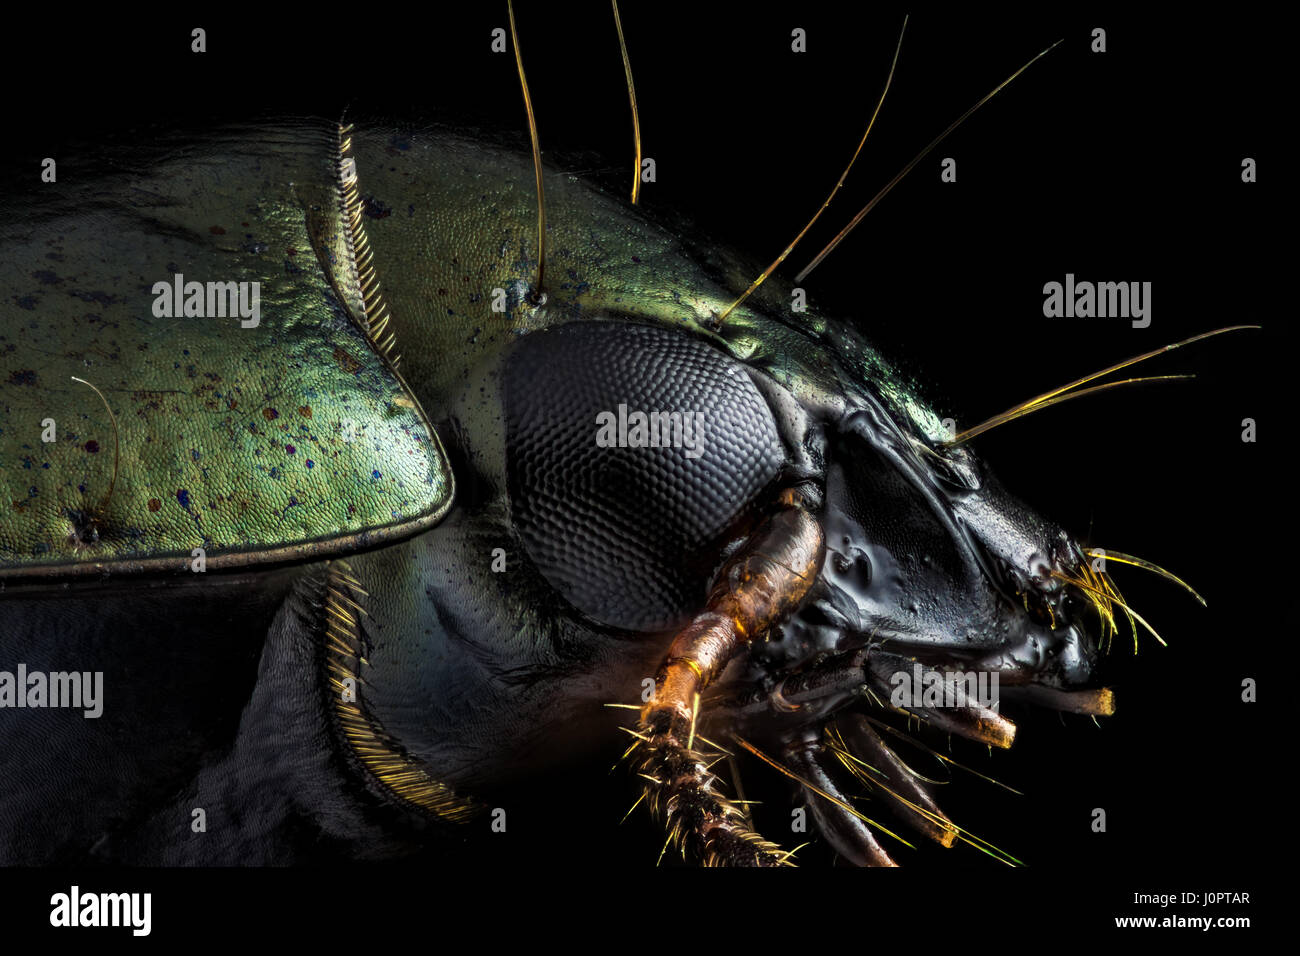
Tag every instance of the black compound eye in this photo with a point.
(631, 450)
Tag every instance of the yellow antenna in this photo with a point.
(790, 248)
(1058, 395)
(631, 95)
(537, 156)
(830, 247)
(1151, 566)
(1028, 409)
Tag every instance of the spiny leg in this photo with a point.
(910, 800)
(846, 832)
(765, 580)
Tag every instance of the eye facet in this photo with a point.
(631, 452)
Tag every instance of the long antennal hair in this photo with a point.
(539, 286)
(1066, 392)
(843, 233)
(843, 176)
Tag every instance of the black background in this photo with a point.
(1116, 166)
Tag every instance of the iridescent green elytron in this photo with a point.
(290, 439)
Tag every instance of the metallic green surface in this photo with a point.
(290, 439)
(453, 219)
(217, 421)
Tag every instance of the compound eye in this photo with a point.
(631, 452)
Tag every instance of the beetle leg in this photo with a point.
(910, 800)
(849, 836)
(342, 647)
(758, 586)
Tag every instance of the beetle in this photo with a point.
(491, 623)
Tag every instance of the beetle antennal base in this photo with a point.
(761, 584)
